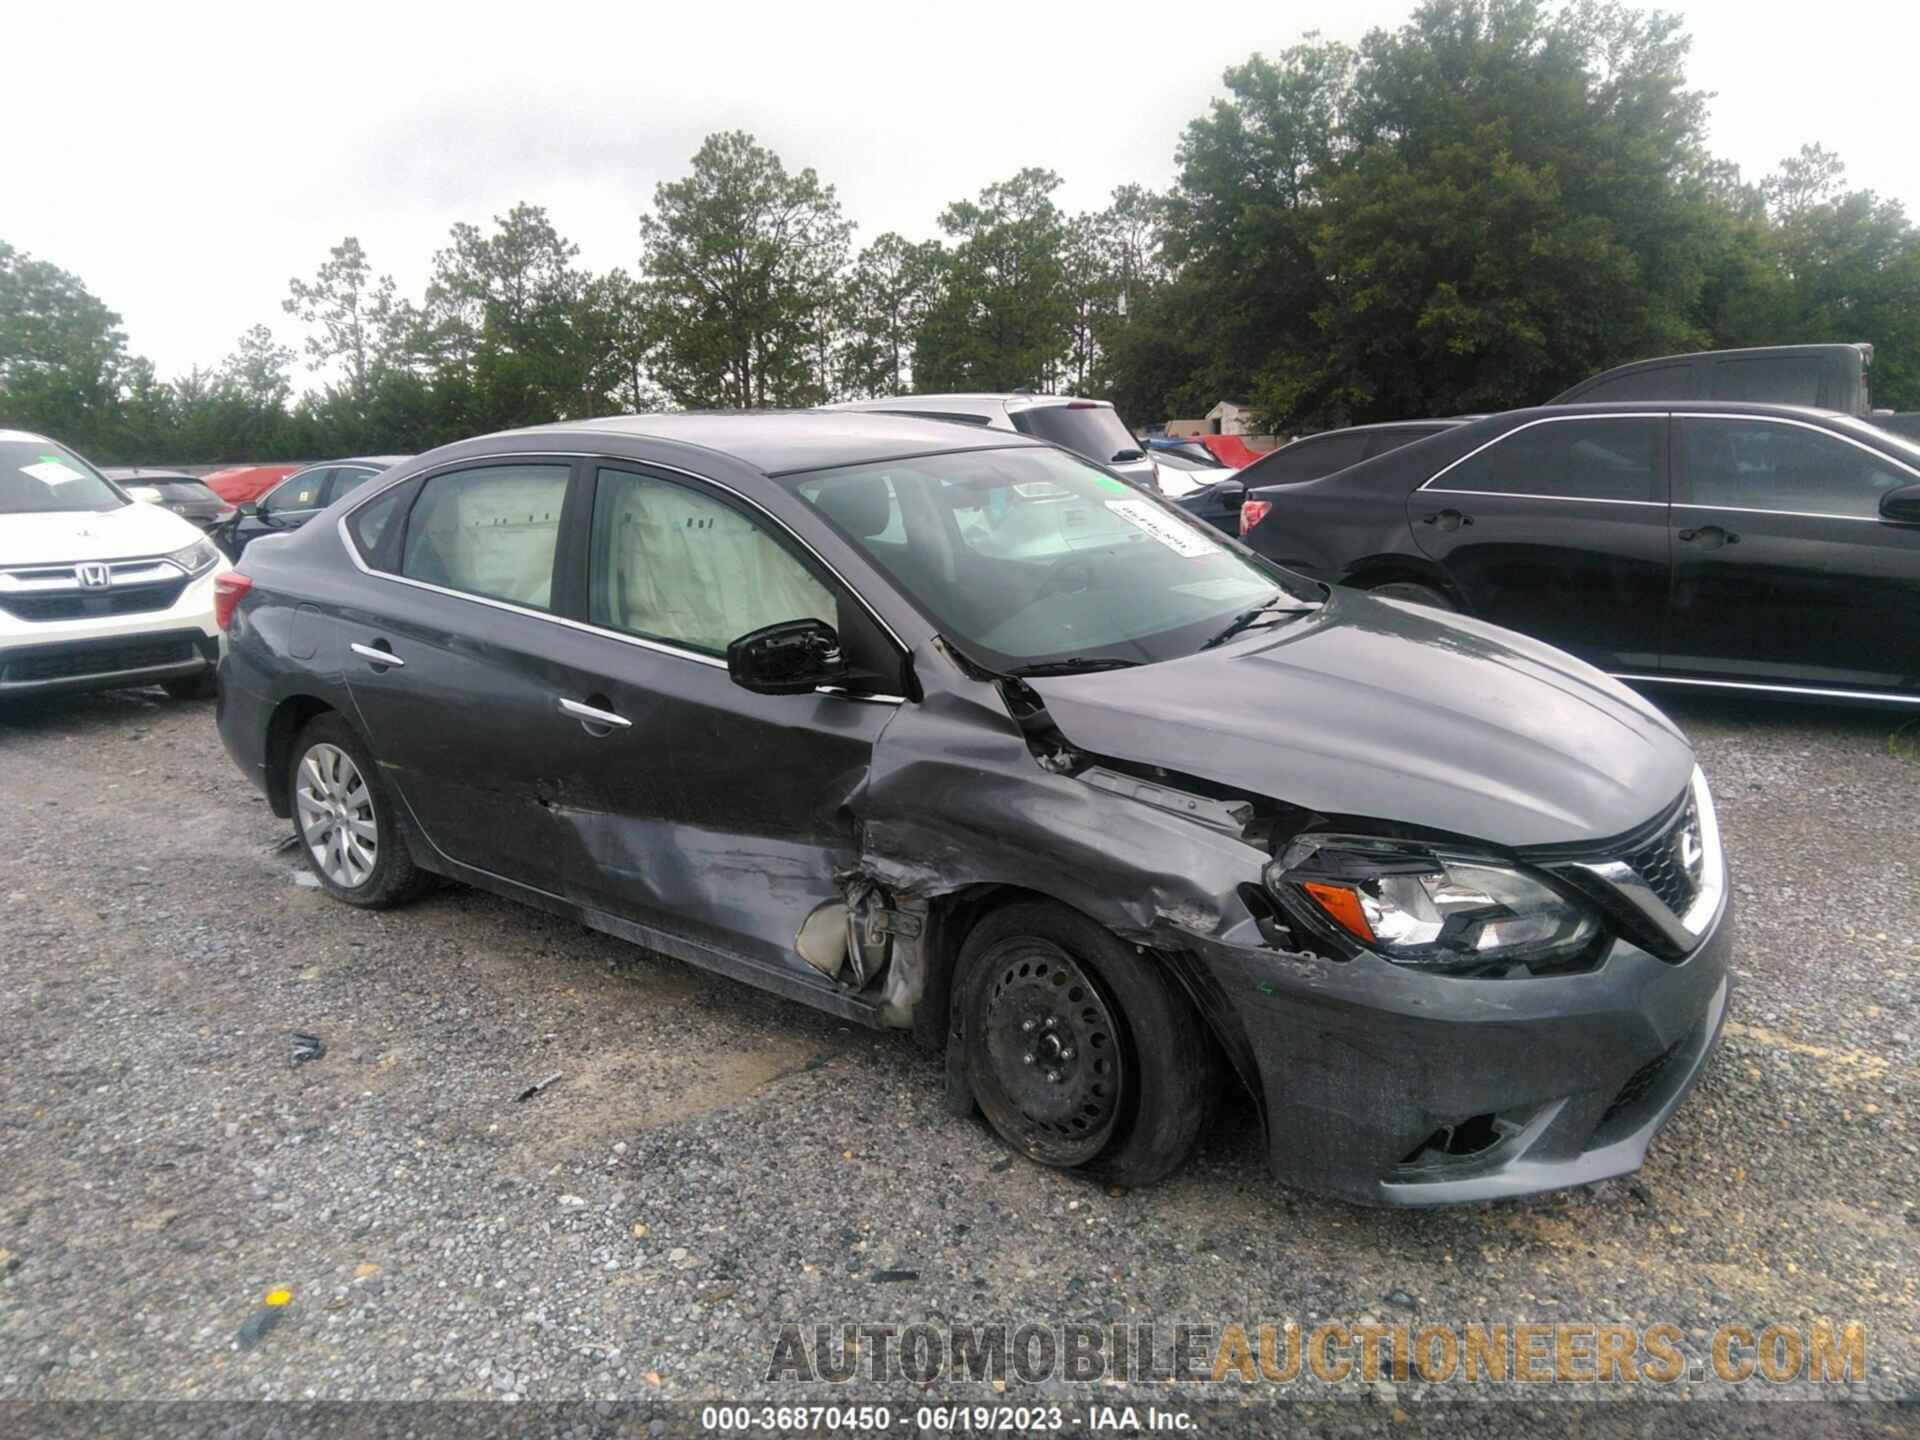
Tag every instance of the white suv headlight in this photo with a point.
(197, 558)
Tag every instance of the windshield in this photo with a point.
(37, 475)
(1084, 427)
(1028, 559)
(1901, 445)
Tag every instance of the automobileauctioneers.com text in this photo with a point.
(1330, 1353)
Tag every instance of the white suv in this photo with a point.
(1092, 428)
(96, 589)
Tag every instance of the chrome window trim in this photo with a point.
(1557, 499)
(1891, 697)
(659, 647)
(1796, 514)
(1429, 482)
(1845, 439)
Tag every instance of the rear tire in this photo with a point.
(348, 826)
(1414, 594)
(1083, 1054)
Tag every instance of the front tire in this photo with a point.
(1083, 1054)
(349, 829)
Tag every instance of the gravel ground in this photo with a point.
(713, 1162)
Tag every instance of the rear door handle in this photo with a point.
(1446, 519)
(589, 715)
(377, 655)
(1711, 536)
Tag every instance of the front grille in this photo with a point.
(87, 604)
(1658, 861)
(96, 657)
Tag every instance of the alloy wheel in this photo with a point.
(337, 820)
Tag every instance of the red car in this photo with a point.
(240, 484)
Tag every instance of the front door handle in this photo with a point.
(1712, 537)
(590, 716)
(378, 656)
(1446, 519)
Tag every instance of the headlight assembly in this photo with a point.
(196, 558)
(1417, 905)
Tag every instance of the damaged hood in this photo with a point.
(1374, 709)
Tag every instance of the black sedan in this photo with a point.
(1308, 458)
(185, 495)
(953, 730)
(1744, 547)
(303, 495)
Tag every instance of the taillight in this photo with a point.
(1252, 512)
(227, 590)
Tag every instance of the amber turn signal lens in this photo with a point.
(1343, 905)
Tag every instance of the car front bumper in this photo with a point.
(107, 651)
(1387, 1086)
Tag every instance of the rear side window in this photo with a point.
(346, 481)
(1765, 465)
(489, 532)
(1598, 459)
(367, 524)
(670, 563)
(1656, 382)
(1308, 459)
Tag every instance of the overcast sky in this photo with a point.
(185, 161)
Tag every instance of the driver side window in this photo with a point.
(670, 563)
(300, 493)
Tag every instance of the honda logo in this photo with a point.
(95, 577)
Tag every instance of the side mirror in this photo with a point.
(1902, 504)
(790, 658)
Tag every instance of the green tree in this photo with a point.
(62, 354)
(355, 320)
(1849, 269)
(742, 260)
(1003, 319)
(886, 297)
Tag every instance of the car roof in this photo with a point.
(960, 399)
(1674, 407)
(385, 462)
(1442, 422)
(784, 442)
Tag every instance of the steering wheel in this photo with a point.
(1062, 569)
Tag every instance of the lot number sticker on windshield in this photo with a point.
(1168, 532)
(52, 472)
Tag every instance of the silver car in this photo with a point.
(1092, 428)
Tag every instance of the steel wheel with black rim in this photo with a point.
(1081, 1052)
(347, 826)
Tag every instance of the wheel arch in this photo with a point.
(289, 718)
(1375, 570)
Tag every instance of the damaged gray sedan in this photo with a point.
(957, 731)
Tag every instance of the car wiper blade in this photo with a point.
(1078, 665)
(1247, 619)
